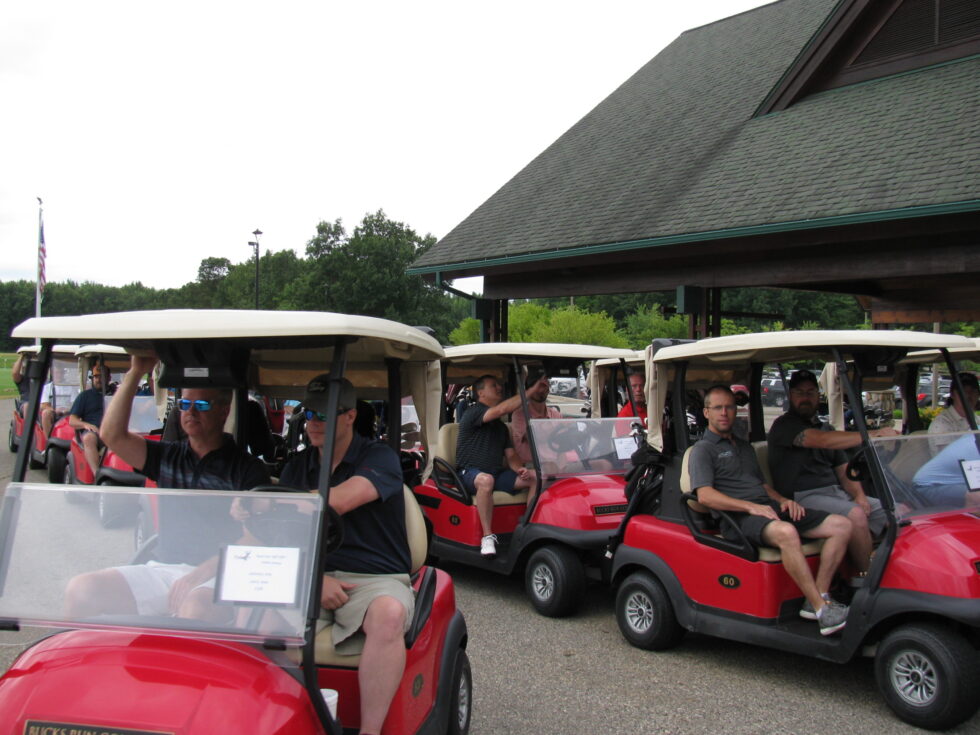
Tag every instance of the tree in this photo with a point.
(649, 323)
(213, 270)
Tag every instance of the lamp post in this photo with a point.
(255, 244)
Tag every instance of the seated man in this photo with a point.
(638, 391)
(55, 402)
(807, 462)
(366, 582)
(483, 445)
(180, 581)
(19, 375)
(725, 475)
(952, 419)
(536, 388)
(942, 480)
(85, 416)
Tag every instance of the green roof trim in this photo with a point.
(932, 210)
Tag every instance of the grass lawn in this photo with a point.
(7, 387)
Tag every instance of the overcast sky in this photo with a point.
(159, 134)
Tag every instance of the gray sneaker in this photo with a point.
(831, 618)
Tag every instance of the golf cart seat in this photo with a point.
(445, 475)
(713, 538)
(324, 652)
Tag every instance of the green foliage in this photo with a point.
(467, 333)
(523, 319)
(648, 323)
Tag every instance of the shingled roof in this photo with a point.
(677, 155)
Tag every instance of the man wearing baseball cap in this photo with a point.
(366, 583)
(808, 462)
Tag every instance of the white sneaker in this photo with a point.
(488, 546)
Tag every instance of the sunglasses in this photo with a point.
(318, 416)
(184, 404)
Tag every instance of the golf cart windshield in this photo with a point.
(585, 446)
(928, 473)
(65, 377)
(258, 580)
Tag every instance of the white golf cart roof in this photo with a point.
(971, 352)
(61, 351)
(138, 329)
(100, 350)
(800, 345)
(505, 351)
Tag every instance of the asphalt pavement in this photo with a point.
(578, 675)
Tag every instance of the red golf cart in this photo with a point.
(59, 391)
(262, 669)
(559, 538)
(917, 612)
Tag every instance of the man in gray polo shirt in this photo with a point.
(808, 463)
(725, 475)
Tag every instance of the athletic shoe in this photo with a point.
(488, 546)
(831, 618)
(808, 613)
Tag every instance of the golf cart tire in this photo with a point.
(644, 613)
(56, 465)
(927, 674)
(555, 580)
(461, 703)
(11, 439)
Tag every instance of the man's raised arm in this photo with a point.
(131, 448)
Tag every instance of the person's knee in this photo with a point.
(783, 534)
(483, 484)
(385, 618)
(89, 440)
(838, 525)
(858, 518)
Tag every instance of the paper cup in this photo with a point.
(330, 697)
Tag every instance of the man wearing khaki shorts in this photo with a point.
(366, 584)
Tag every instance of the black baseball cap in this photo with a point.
(802, 376)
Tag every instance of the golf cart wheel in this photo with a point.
(555, 581)
(927, 674)
(644, 613)
(11, 439)
(461, 703)
(115, 510)
(56, 465)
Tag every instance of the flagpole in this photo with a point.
(41, 257)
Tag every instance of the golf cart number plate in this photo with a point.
(37, 727)
(259, 575)
(971, 471)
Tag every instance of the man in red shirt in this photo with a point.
(638, 391)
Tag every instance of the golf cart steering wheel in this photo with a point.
(566, 438)
(273, 523)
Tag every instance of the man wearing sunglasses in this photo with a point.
(208, 459)
(366, 584)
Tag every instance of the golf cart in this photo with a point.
(50, 450)
(145, 420)
(260, 669)
(917, 612)
(559, 538)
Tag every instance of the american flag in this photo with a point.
(41, 255)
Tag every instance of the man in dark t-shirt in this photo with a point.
(808, 462)
(180, 581)
(725, 475)
(85, 415)
(486, 457)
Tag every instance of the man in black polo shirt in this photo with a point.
(366, 584)
(725, 475)
(180, 580)
(808, 463)
(483, 447)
